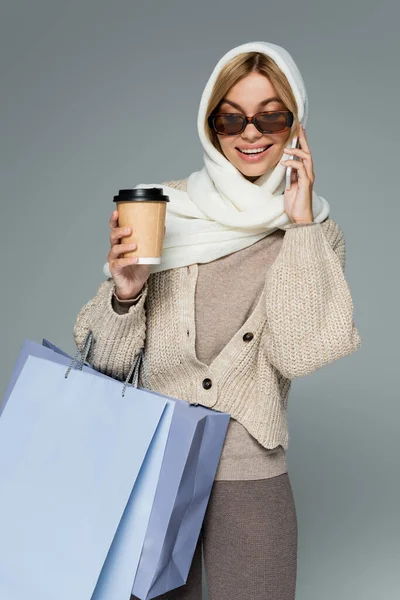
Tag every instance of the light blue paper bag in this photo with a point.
(73, 454)
(157, 534)
(189, 464)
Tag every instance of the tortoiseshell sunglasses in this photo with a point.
(273, 121)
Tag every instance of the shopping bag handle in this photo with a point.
(133, 371)
(84, 352)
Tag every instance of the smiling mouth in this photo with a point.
(255, 154)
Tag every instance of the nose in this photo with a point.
(251, 132)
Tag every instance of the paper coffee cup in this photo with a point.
(144, 210)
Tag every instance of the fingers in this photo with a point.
(117, 232)
(298, 165)
(298, 152)
(305, 165)
(118, 249)
(114, 220)
(303, 153)
(120, 263)
(115, 263)
(303, 169)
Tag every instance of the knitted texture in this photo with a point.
(118, 338)
(302, 322)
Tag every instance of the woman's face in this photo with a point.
(249, 96)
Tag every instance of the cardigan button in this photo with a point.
(248, 336)
(207, 383)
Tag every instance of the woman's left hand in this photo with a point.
(298, 199)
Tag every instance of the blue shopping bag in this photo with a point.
(189, 465)
(73, 455)
(187, 474)
(155, 540)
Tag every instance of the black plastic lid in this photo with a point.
(141, 194)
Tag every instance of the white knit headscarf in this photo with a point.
(222, 211)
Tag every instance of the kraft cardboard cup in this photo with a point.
(144, 210)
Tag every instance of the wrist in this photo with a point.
(127, 298)
(304, 221)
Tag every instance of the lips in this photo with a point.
(250, 148)
(253, 158)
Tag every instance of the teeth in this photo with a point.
(254, 151)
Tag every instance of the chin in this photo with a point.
(250, 170)
(255, 171)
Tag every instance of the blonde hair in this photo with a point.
(238, 68)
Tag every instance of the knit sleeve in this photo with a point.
(309, 308)
(117, 338)
(122, 306)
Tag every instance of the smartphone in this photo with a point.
(295, 144)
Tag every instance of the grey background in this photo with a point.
(96, 96)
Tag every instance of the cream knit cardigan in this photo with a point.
(302, 322)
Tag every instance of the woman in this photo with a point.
(250, 294)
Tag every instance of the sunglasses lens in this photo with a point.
(228, 124)
(267, 122)
(271, 122)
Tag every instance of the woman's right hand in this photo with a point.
(129, 277)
